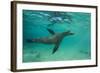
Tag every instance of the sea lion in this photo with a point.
(56, 39)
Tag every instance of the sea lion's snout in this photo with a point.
(71, 33)
(68, 33)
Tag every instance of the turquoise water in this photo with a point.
(74, 47)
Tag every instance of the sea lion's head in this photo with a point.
(68, 33)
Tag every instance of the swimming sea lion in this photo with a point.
(56, 39)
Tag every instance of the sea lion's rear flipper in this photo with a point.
(29, 40)
(56, 48)
(34, 40)
(51, 31)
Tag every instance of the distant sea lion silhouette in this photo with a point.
(59, 17)
(56, 39)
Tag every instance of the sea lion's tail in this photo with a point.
(29, 40)
(33, 40)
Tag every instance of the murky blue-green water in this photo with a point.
(73, 47)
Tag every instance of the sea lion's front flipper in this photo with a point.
(51, 31)
(56, 48)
